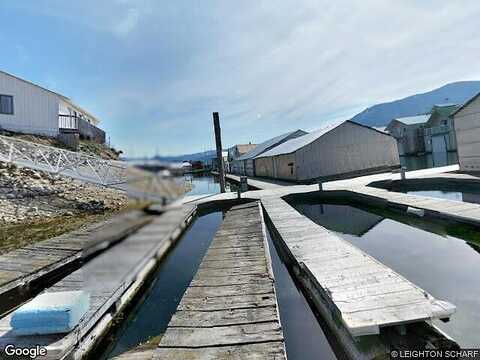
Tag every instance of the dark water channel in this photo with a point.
(469, 194)
(147, 321)
(150, 318)
(424, 252)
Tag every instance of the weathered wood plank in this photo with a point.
(367, 294)
(222, 335)
(267, 351)
(229, 310)
(24, 267)
(223, 317)
(106, 278)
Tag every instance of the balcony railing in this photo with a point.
(67, 122)
(442, 129)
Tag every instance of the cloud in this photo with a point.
(128, 23)
(156, 71)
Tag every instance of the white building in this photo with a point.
(245, 164)
(408, 131)
(466, 120)
(29, 108)
(339, 150)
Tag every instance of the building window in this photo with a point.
(6, 104)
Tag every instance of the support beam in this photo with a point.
(218, 143)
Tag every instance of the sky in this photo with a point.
(154, 71)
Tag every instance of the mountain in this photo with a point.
(381, 114)
(202, 156)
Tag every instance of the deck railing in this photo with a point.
(68, 122)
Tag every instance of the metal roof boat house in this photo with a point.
(31, 109)
(339, 150)
(245, 164)
(466, 120)
(409, 133)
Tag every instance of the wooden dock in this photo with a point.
(229, 310)
(443, 208)
(111, 279)
(359, 291)
(29, 269)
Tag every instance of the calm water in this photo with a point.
(206, 184)
(429, 160)
(151, 317)
(304, 338)
(471, 196)
(445, 266)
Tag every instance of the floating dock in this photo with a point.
(111, 279)
(29, 269)
(230, 309)
(361, 292)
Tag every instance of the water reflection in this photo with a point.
(429, 160)
(304, 338)
(151, 317)
(205, 184)
(445, 266)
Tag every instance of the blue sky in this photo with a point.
(154, 71)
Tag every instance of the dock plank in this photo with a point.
(229, 311)
(365, 294)
(106, 278)
(22, 270)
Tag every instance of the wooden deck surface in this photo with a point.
(229, 311)
(108, 278)
(360, 291)
(23, 269)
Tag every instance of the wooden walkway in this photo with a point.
(229, 311)
(359, 291)
(449, 209)
(110, 278)
(27, 269)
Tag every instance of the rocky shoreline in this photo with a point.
(28, 195)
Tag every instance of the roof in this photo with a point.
(293, 145)
(244, 148)
(417, 119)
(266, 145)
(63, 97)
(31, 83)
(444, 109)
(466, 104)
(381, 128)
(299, 142)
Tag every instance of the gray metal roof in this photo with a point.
(417, 119)
(261, 148)
(297, 143)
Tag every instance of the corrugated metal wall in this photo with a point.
(285, 167)
(346, 149)
(264, 167)
(249, 167)
(35, 109)
(467, 129)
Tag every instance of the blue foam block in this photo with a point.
(50, 313)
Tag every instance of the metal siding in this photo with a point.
(35, 109)
(264, 167)
(249, 170)
(467, 129)
(282, 169)
(348, 148)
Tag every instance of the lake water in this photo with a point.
(205, 184)
(445, 266)
(150, 318)
(304, 337)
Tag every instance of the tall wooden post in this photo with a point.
(218, 142)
